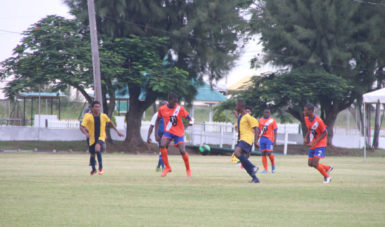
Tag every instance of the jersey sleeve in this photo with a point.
(106, 118)
(160, 112)
(184, 112)
(153, 119)
(85, 120)
(275, 127)
(252, 121)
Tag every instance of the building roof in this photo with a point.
(241, 85)
(206, 93)
(40, 94)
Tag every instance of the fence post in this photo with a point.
(285, 142)
(221, 143)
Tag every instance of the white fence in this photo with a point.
(214, 133)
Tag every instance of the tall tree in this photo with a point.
(201, 36)
(56, 52)
(332, 37)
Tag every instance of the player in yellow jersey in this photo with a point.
(247, 134)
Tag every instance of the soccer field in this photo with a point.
(38, 189)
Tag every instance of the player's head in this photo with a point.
(248, 110)
(266, 113)
(172, 99)
(308, 110)
(95, 107)
(240, 106)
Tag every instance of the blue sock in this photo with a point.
(247, 165)
(99, 155)
(160, 162)
(93, 162)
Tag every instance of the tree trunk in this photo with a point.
(330, 121)
(134, 141)
(377, 126)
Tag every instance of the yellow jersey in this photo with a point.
(246, 123)
(88, 122)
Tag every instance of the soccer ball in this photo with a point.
(204, 149)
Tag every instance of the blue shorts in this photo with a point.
(177, 139)
(318, 152)
(244, 146)
(91, 148)
(265, 144)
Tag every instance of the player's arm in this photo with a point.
(275, 137)
(306, 138)
(82, 127)
(149, 133)
(157, 122)
(84, 130)
(112, 125)
(236, 115)
(325, 133)
(256, 136)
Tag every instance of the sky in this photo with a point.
(17, 16)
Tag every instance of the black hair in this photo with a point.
(267, 109)
(310, 106)
(249, 108)
(94, 103)
(172, 96)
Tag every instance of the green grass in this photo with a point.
(39, 189)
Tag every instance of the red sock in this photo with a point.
(186, 161)
(326, 168)
(271, 156)
(322, 170)
(163, 151)
(264, 162)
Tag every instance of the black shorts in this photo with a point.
(244, 146)
(91, 149)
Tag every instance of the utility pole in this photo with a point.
(95, 53)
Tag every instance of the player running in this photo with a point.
(160, 134)
(172, 114)
(247, 135)
(267, 139)
(94, 127)
(316, 139)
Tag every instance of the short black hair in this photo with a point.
(248, 108)
(94, 103)
(172, 96)
(267, 109)
(309, 106)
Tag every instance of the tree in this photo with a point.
(331, 37)
(201, 37)
(58, 54)
(203, 34)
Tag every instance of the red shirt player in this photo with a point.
(172, 114)
(316, 139)
(268, 138)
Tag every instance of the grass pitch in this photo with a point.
(40, 189)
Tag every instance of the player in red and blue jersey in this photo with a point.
(172, 114)
(316, 139)
(267, 139)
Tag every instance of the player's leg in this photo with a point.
(92, 159)
(264, 161)
(182, 149)
(270, 149)
(164, 142)
(98, 151)
(247, 165)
